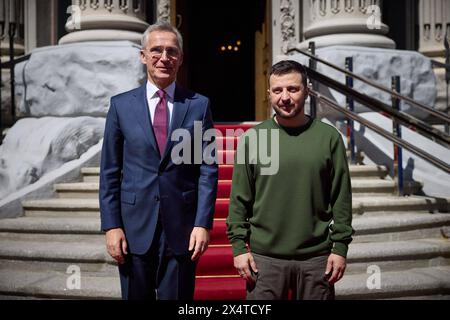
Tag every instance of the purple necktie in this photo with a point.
(160, 121)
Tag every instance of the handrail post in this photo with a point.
(12, 33)
(350, 106)
(431, 111)
(1, 119)
(447, 127)
(313, 65)
(398, 156)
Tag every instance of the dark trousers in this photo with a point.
(304, 278)
(158, 274)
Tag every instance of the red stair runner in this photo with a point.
(225, 171)
(224, 189)
(216, 277)
(218, 233)
(219, 288)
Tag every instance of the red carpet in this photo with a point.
(218, 233)
(224, 189)
(227, 143)
(225, 171)
(219, 288)
(221, 208)
(217, 278)
(217, 260)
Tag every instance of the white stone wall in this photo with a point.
(36, 146)
(76, 79)
(379, 65)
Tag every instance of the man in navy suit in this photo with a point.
(157, 214)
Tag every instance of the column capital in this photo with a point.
(434, 23)
(346, 22)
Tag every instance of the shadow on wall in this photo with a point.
(34, 147)
(379, 157)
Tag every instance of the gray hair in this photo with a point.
(162, 26)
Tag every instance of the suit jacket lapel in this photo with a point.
(180, 108)
(142, 113)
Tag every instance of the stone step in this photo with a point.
(423, 283)
(49, 225)
(363, 185)
(90, 189)
(365, 204)
(398, 250)
(56, 250)
(54, 285)
(77, 248)
(396, 284)
(367, 171)
(62, 208)
(61, 237)
(395, 226)
(382, 227)
(398, 255)
(369, 228)
(406, 284)
(360, 205)
(80, 190)
(389, 256)
(401, 254)
(97, 269)
(91, 174)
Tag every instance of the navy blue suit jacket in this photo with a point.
(136, 183)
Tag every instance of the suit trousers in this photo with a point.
(158, 274)
(277, 279)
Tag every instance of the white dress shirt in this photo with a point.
(153, 99)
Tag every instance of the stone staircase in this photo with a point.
(405, 238)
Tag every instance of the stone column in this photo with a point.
(30, 25)
(11, 19)
(345, 22)
(100, 20)
(285, 26)
(434, 23)
(11, 16)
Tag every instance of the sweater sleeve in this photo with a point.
(241, 201)
(341, 199)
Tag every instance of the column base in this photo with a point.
(101, 35)
(350, 39)
(107, 21)
(19, 49)
(435, 51)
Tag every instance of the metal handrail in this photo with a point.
(376, 105)
(427, 109)
(7, 64)
(388, 135)
(440, 64)
(10, 65)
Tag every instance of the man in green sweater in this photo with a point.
(290, 229)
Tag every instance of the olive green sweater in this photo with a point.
(302, 210)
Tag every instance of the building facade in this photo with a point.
(231, 44)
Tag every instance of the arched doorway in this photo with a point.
(220, 40)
